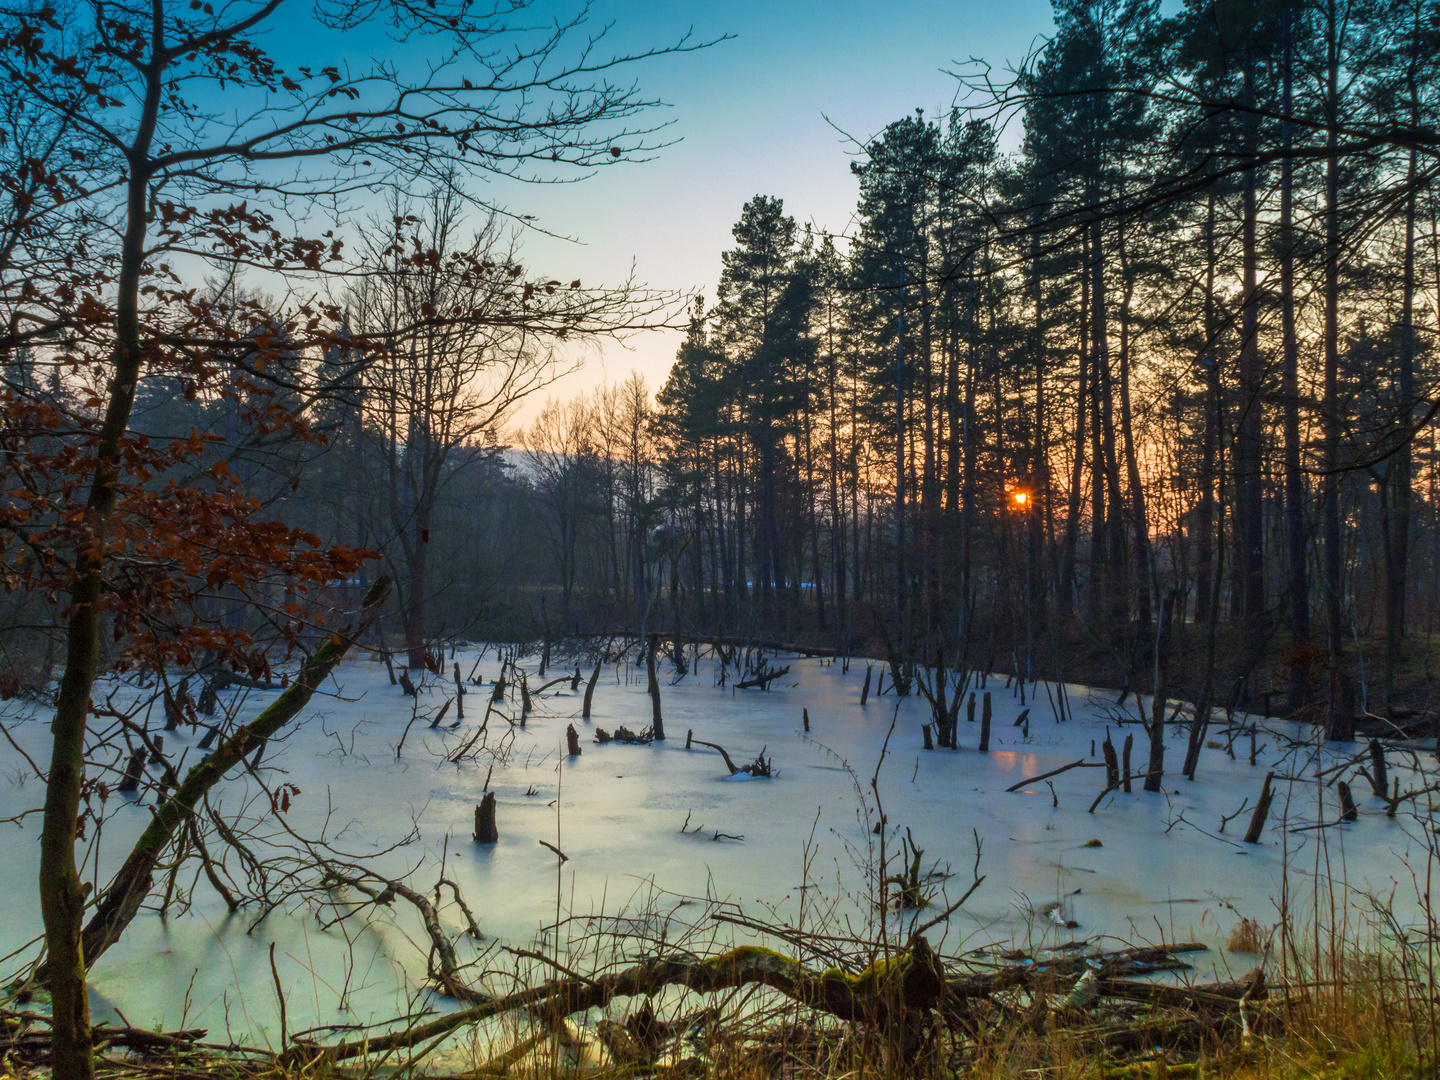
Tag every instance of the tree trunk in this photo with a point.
(1295, 495)
(127, 890)
(1340, 723)
(1248, 441)
(1206, 576)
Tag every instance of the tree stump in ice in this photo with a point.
(1348, 811)
(1112, 763)
(406, 685)
(485, 830)
(865, 690)
(1262, 811)
(1379, 781)
(572, 740)
(984, 723)
(130, 782)
(657, 723)
(590, 691)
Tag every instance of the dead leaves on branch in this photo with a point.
(167, 547)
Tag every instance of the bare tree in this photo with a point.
(460, 346)
(170, 174)
(561, 459)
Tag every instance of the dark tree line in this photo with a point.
(1159, 383)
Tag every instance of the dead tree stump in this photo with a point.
(208, 699)
(459, 695)
(158, 754)
(1112, 763)
(1125, 762)
(590, 691)
(1348, 812)
(865, 690)
(174, 705)
(929, 743)
(406, 685)
(657, 722)
(970, 709)
(440, 715)
(130, 782)
(984, 722)
(1378, 779)
(572, 740)
(806, 713)
(1262, 811)
(485, 830)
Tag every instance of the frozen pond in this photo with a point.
(1161, 870)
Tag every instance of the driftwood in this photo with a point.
(761, 766)
(624, 735)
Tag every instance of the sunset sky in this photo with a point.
(751, 116)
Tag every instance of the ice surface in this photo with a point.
(617, 812)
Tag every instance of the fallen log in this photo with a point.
(763, 679)
(900, 989)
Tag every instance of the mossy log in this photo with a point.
(900, 990)
(897, 994)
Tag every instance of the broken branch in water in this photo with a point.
(1081, 764)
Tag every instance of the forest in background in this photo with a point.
(1151, 392)
(1146, 402)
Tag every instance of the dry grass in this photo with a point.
(1248, 936)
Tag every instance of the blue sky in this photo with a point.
(751, 116)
